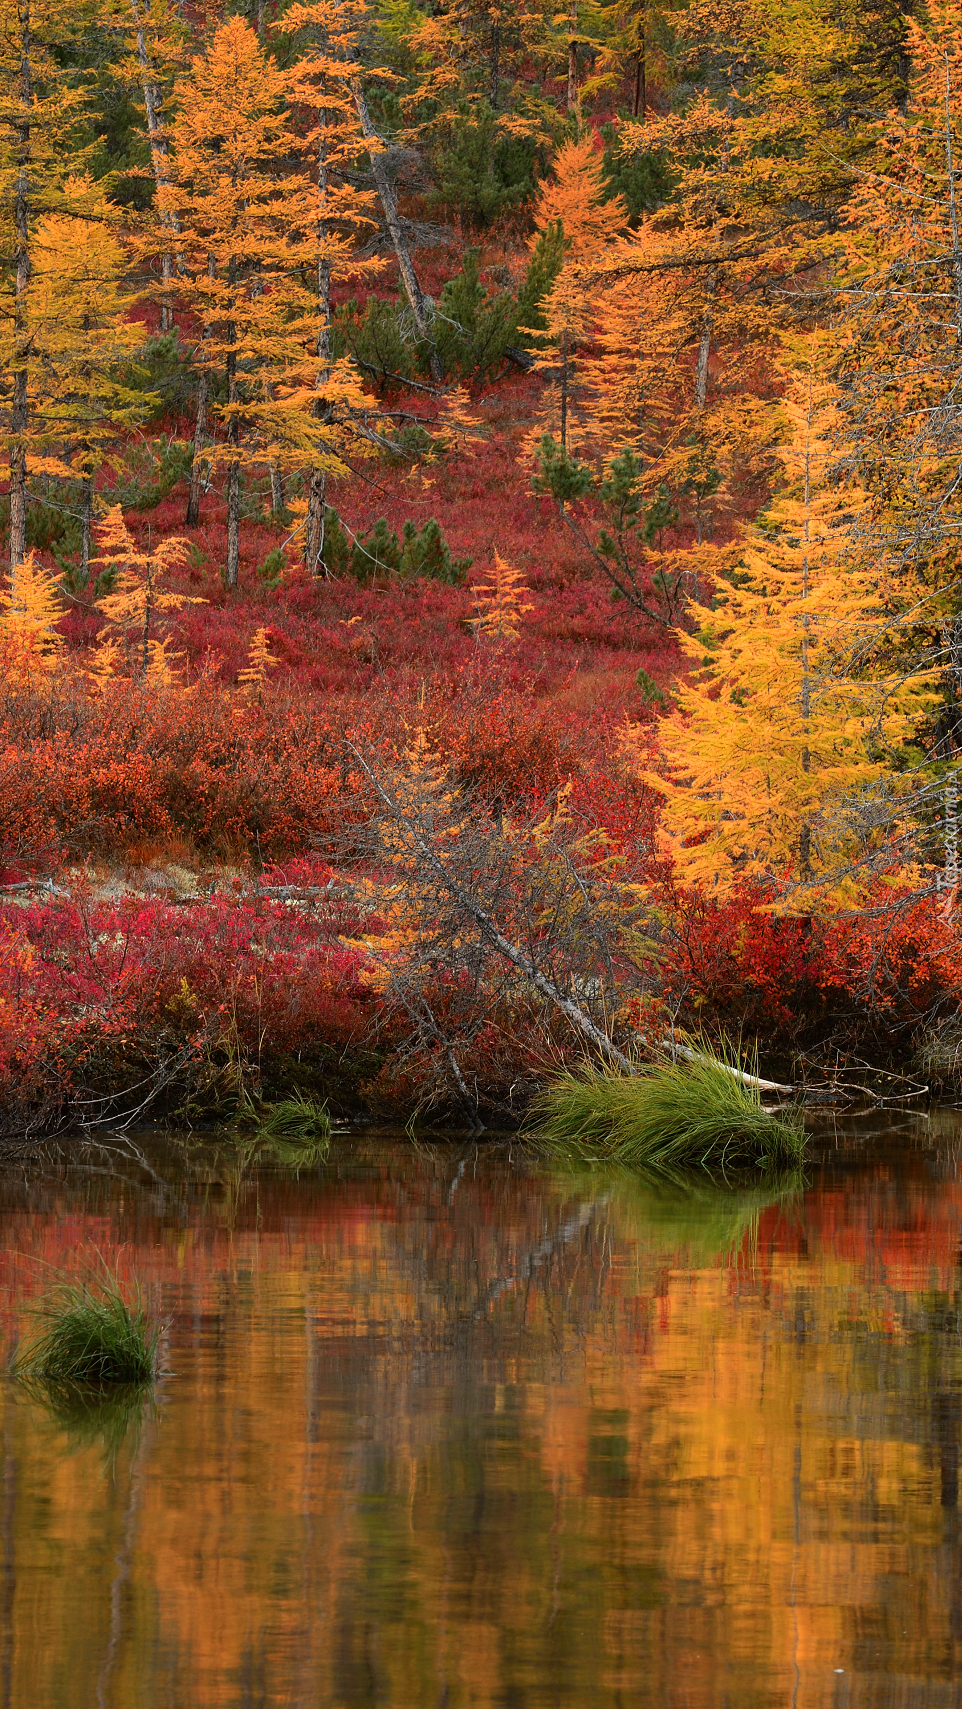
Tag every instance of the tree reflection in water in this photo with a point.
(446, 1427)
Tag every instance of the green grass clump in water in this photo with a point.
(673, 1113)
(93, 1338)
(296, 1118)
(295, 1132)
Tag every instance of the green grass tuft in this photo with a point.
(674, 1113)
(296, 1118)
(295, 1133)
(93, 1338)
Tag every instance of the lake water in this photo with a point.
(444, 1427)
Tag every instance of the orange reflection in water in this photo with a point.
(445, 1429)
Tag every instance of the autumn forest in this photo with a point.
(482, 493)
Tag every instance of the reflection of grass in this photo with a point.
(690, 1216)
(295, 1133)
(293, 1153)
(93, 1336)
(674, 1113)
(93, 1416)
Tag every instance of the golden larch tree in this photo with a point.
(244, 208)
(30, 610)
(501, 604)
(792, 713)
(323, 86)
(40, 102)
(139, 598)
(577, 196)
(82, 340)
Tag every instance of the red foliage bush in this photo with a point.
(95, 996)
(901, 962)
(879, 974)
(128, 765)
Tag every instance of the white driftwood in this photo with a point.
(736, 1073)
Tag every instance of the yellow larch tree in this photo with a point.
(501, 604)
(577, 197)
(901, 333)
(323, 84)
(421, 785)
(156, 36)
(260, 661)
(245, 208)
(138, 599)
(568, 321)
(40, 101)
(82, 338)
(476, 58)
(793, 717)
(761, 153)
(30, 610)
(635, 394)
(578, 203)
(621, 371)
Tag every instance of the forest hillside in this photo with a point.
(481, 495)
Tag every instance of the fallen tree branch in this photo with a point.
(740, 1074)
(489, 931)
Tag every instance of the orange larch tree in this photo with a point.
(245, 210)
(323, 84)
(39, 105)
(82, 342)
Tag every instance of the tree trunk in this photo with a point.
(277, 489)
(232, 575)
(701, 373)
(159, 160)
(317, 484)
(86, 522)
(18, 479)
(805, 832)
(20, 411)
(687, 1055)
(200, 429)
(148, 610)
(200, 426)
(314, 534)
(415, 296)
(953, 204)
(704, 346)
(639, 105)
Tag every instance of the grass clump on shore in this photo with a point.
(673, 1113)
(92, 1338)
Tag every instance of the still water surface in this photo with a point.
(447, 1428)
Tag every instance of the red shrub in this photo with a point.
(88, 993)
